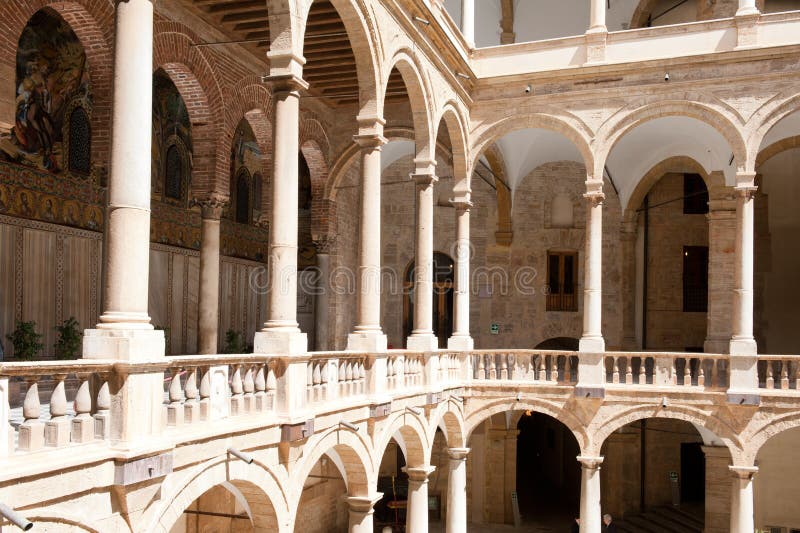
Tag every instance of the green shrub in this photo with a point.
(69, 339)
(234, 342)
(26, 341)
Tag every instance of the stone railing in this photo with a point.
(58, 421)
(198, 390)
(707, 371)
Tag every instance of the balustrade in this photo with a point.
(559, 368)
(778, 372)
(707, 371)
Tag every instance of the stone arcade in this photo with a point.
(343, 265)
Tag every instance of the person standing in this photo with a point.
(610, 526)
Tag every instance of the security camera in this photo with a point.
(528, 89)
(666, 76)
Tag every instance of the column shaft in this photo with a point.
(597, 16)
(361, 513)
(742, 340)
(128, 238)
(461, 339)
(591, 514)
(208, 305)
(742, 499)
(417, 514)
(592, 339)
(747, 7)
(368, 335)
(322, 300)
(457, 491)
(422, 337)
(468, 21)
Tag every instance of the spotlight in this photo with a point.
(416, 410)
(666, 76)
(15, 518)
(348, 425)
(528, 89)
(246, 457)
(422, 21)
(462, 75)
(664, 402)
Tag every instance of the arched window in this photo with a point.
(243, 198)
(303, 184)
(173, 174)
(80, 139)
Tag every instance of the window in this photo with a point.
(243, 198)
(173, 175)
(561, 278)
(257, 192)
(695, 279)
(695, 195)
(80, 139)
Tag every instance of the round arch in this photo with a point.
(256, 482)
(449, 417)
(627, 119)
(696, 417)
(351, 453)
(322, 211)
(456, 129)
(776, 148)
(573, 423)
(419, 98)
(772, 427)
(766, 118)
(412, 429)
(571, 128)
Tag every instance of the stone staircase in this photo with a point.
(665, 519)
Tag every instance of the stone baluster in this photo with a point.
(272, 383)
(715, 382)
(615, 370)
(191, 407)
(175, 407)
(82, 424)
(481, 367)
(687, 372)
(102, 415)
(542, 368)
(6, 431)
(31, 431)
(260, 383)
(784, 375)
(492, 368)
(701, 373)
(629, 370)
(643, 371)
(56, 431)
(568, 369)
(503, 367)
(770, 378)
(237, 391)
(205, 394)
(249, 386)
(554, 368)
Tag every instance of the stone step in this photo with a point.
(662, 520)
(680, 517)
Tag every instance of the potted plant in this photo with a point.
(69, 339)
(25, 340)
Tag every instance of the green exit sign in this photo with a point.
(495, 329)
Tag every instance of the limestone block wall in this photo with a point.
(218, 501)
(775, 486)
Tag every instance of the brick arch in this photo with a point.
(323, 211)
(93, 24)
(695, 416)
(626, 120)
(563, 415)
(196, 81)
(418, 445)
(352, 449)
(263, 490)
(419, 97)
(570, 127)
(449, 416)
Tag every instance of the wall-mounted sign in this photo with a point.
(495, 329)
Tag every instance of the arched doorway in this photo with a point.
(443, 279)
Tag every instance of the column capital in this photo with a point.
(211, 206)
(589, 462)
(364, 504)
(420, 474)
(743, 472)
(594, 191)
(458, 454)
(285, 82)
(745, 179)
(424, 178)
(373, 140)
(325, 244)
(461, 203)
(424, 166)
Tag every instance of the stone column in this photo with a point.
(322, 301)
(281, 333)
(747, 7)
(721, 244)
(468, 21)
(457, 491)
(417, 514)
(718, 489)
(742, 499)
(361, 512)
(208, 305)
(422, 337)
(368, 336)
(628, 238)
(597, 16)
(461, 338)
(743, 361)
(591, 513)
(592, 339)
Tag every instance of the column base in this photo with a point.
(426, 342)
(124, 344)
(367, 342)
(592, 344)
(460, 342)
(743, 346)
(283, 342)
(743, 385)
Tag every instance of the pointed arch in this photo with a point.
(456, 128)
(419, 98)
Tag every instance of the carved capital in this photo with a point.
(370, 140)
(212, 206)
(325, 244)
(590, 463)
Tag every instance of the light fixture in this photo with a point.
(15, 518)
(462, 75)
(423, 21)
(246, 457)
(348, 425)
(664, 402)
